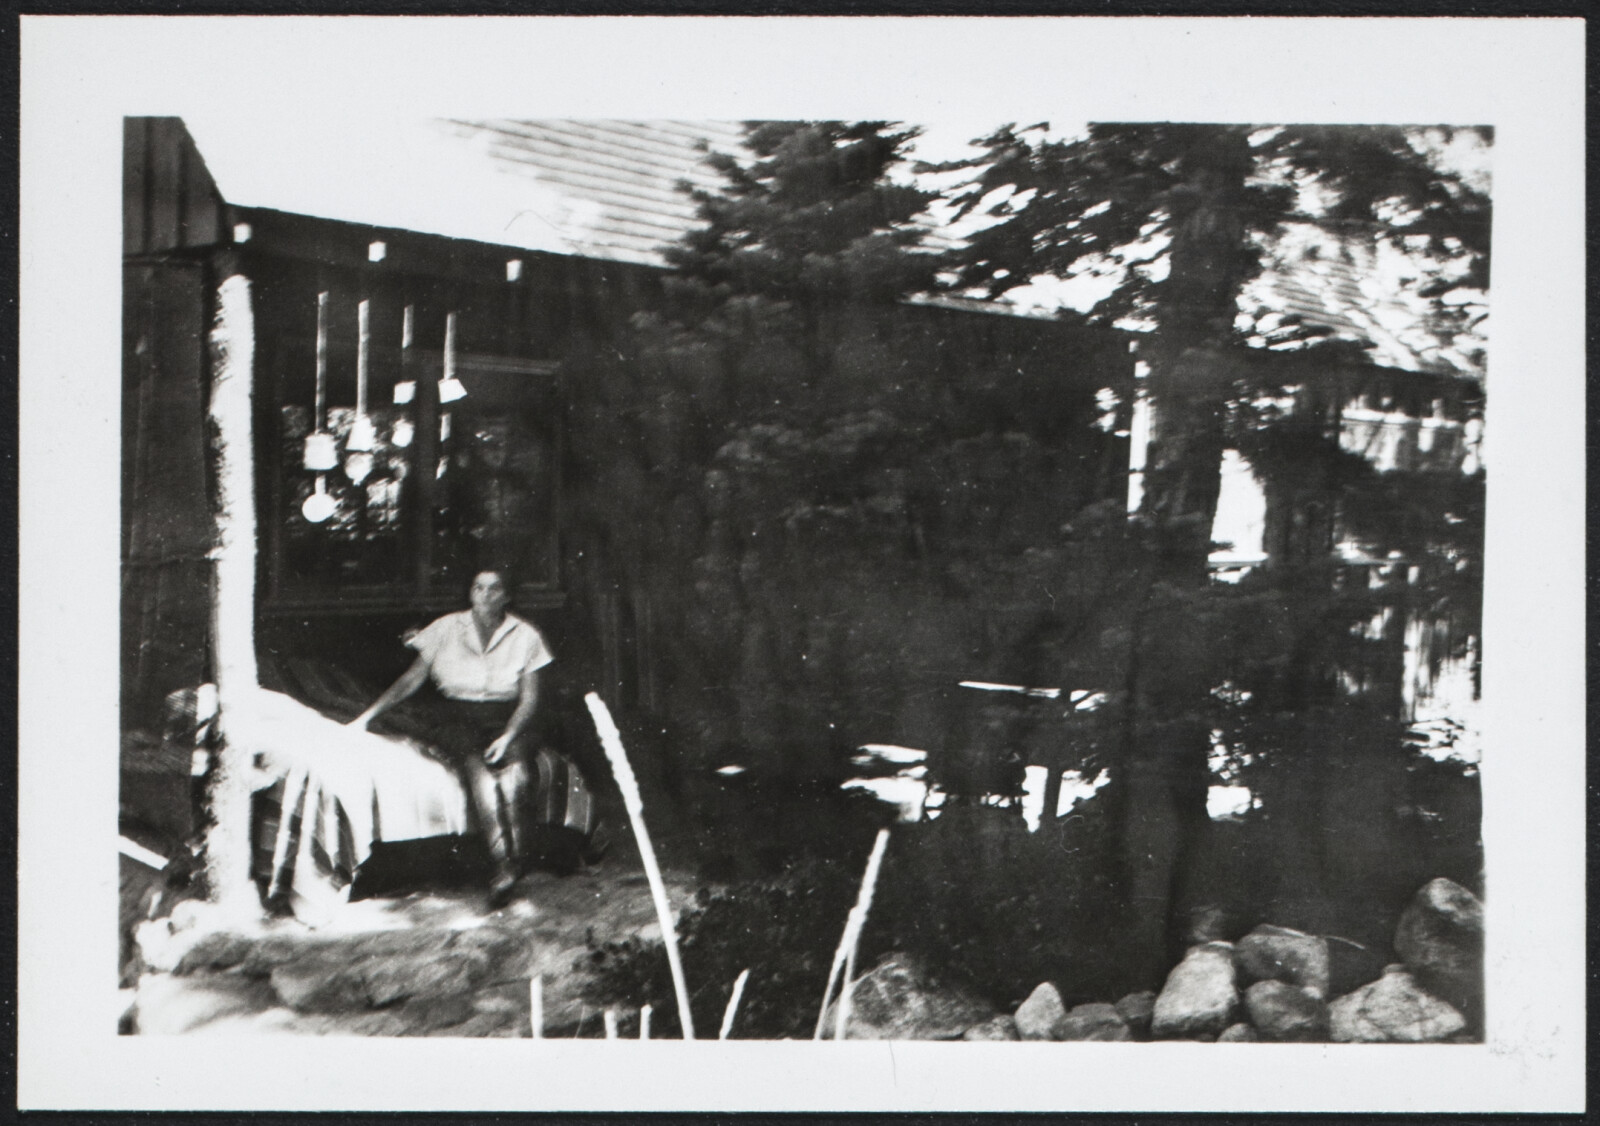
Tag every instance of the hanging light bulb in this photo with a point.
(357, 467)
(450, 388)
(322, 448)
(319, 505)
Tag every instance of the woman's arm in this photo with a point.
(408, 683)
(527, 702)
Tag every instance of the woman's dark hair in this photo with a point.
(507, 575)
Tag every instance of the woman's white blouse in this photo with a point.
(464, 669)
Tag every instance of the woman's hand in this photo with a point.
(497, 751)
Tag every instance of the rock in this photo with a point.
(899, 1001)
(1273, 953)
(449, 974)
(1040, 1016)
(1206, 923)
(1135, 1010)
(1095, 1021)
(1240, 1033)
(166, 1004)
(1199, 997)
(1393, 1008)
(429, 1014)
(1284, 1012)
(220, 950)
(1001, 1027)
(318, 987)
(1350, 965)
(326, 985)
(1440, 939)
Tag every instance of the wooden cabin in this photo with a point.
(545, 466)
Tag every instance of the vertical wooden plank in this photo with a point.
(135, 191)
(165, 184)
(202, 207)
(135, 287)
(171, 506)
(271, 481)
(425, 467)
(181, 148)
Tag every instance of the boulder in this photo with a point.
(430, 1014)
(318, 987)
(1040, 1016)
(1199, 997)
(1351, 965)
(899, 1001)
(1284, 1012)
(1240, 1033)
(1135, 1010)
(1206, 923)
(1440, 939)
(327, 985)
(1393, 1009)
(1273, 953)
(166, 1004)
(1001, 1027)
(1095, 1021)
(454, 973)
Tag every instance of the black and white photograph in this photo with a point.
(1022, 578)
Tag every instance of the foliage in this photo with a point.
(828, 492)
(1115, 203)
(812, 220)
(784, 931)
(999, 909)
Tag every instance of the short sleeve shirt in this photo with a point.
(463, 668)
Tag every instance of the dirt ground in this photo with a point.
(429, 963)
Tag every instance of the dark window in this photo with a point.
(450, 488)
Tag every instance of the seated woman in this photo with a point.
(485, 663)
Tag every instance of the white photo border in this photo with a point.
(81, 75)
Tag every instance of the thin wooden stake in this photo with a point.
(644, 1021)
(319, 412)
(733, 1004)
(536, 1005)
(841, 1018)
(852, 930)
(611, 740)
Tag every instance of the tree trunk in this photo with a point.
(1166, 774)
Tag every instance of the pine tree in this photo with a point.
(1182, 216)
(808, 225)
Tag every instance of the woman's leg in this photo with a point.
(496, 798)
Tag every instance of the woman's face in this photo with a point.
(489, 595)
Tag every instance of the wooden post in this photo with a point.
(426, 466)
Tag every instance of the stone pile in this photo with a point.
(1281, 985)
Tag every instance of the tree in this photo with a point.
(812, 226)
(804, 252)
(1182, 217)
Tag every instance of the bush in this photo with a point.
(783, 930)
